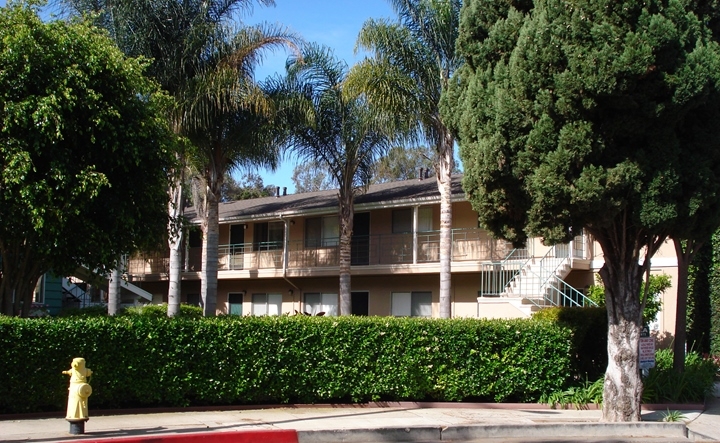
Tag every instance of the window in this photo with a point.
(411, 304)
(235, 301)
(266, 304)
(268, 236)
(237, 234)
(195, 238)
(322, 231)
(402, 221)
(425, 219)
(316, 303)
(39, 295)
(194, 300)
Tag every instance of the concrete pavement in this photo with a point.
(397, 422)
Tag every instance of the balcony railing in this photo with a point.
(468, 245)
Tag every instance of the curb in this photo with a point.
(366, 405)
(479, 432)
(252, 436)
(463, 433)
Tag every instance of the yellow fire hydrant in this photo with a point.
(78, 393)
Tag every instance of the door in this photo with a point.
(359, 303)
(360, 243)
(236, 249)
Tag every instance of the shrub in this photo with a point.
(140, 361)
(589, 338)
(663, 384)
(160, 311)
(89, 311)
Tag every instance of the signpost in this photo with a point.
(647, 349)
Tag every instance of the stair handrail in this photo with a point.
(525, 266)
(578, 299)
(515, 254)
(551, 283)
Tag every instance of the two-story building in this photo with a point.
(279, 255)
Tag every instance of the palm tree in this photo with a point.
(229, 125)
(340, 131)
(410, 68)
(184, 40)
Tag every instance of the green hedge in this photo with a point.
(139, 361)
(589, 339)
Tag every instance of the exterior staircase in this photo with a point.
(75, 287)
(535, 284)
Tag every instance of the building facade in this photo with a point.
(279, 255)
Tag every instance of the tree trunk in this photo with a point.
(20, 273)
(684, 259)
(176, 208)
(346, 229)
(622, 392)
(211, 231)
(622, 276)
(444, 167)
(114, 292)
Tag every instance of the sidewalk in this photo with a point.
(397, 422)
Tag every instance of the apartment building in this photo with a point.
(279, 255)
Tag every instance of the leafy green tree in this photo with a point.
(311, 176)
(402, 163)
(591, 115)
(715, 297)
(84, 153)
(657, 285)
(338, 129)
(411, 65)
(251, 186)
(206, 64)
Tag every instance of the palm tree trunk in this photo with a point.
(114, 291)
(176, 207)
(444, 167)
(211, 231)
(346, 228)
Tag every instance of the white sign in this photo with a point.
(647, 352)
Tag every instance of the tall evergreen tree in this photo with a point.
(588, 115)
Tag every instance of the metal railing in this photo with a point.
(496, 276)
(554, 291)
(536, 280)
(151, 263)
(539, 282)
(468, 245)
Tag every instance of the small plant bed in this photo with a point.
(662, 386)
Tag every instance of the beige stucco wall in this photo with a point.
(380, 289)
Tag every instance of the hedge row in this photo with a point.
(589, 340)
(143, 362)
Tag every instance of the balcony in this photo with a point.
(468, 245)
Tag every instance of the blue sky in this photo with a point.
(334, 23)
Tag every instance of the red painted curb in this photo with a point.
(251, 436)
